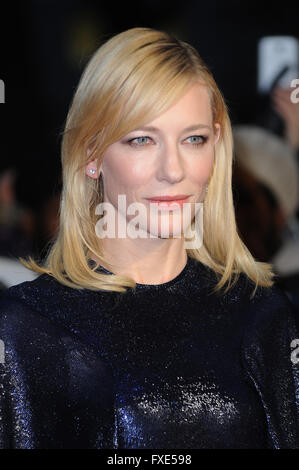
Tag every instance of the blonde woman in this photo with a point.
(177, 337)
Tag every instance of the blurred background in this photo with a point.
(45, 45)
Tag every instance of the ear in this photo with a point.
(217, 132)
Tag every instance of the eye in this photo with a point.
(139, 141)
(197, 140)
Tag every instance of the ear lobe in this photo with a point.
(91, 169)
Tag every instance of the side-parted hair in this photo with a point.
(130, 80)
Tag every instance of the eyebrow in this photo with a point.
(187, 129)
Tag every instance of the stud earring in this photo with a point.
(92, 171)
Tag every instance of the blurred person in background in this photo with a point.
(288, 109)
(17, 231)
(47, 216)
(266, 191)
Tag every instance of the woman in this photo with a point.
(140, 342)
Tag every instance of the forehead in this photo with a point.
(194, 107)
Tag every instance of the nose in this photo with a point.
(171, 165)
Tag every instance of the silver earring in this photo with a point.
(207, 188)
(92, 171)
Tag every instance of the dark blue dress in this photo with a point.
(166, 366)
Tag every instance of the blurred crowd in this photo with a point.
(266, 191)
(24, 230)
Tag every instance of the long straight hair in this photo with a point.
(130, 80)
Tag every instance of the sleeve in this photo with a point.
(271, 359)
(55, 392)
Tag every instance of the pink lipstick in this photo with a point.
(169, 202)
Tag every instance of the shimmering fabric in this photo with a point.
(165, 366)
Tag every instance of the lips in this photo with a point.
(169, 202)
(178, 197)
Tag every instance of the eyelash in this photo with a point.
(197, 144)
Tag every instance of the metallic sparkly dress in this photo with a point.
(164, 366)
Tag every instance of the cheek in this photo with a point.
(201, 169)
(123, 175)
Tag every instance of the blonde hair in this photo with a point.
(131, 79)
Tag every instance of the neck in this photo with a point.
(147, 261)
